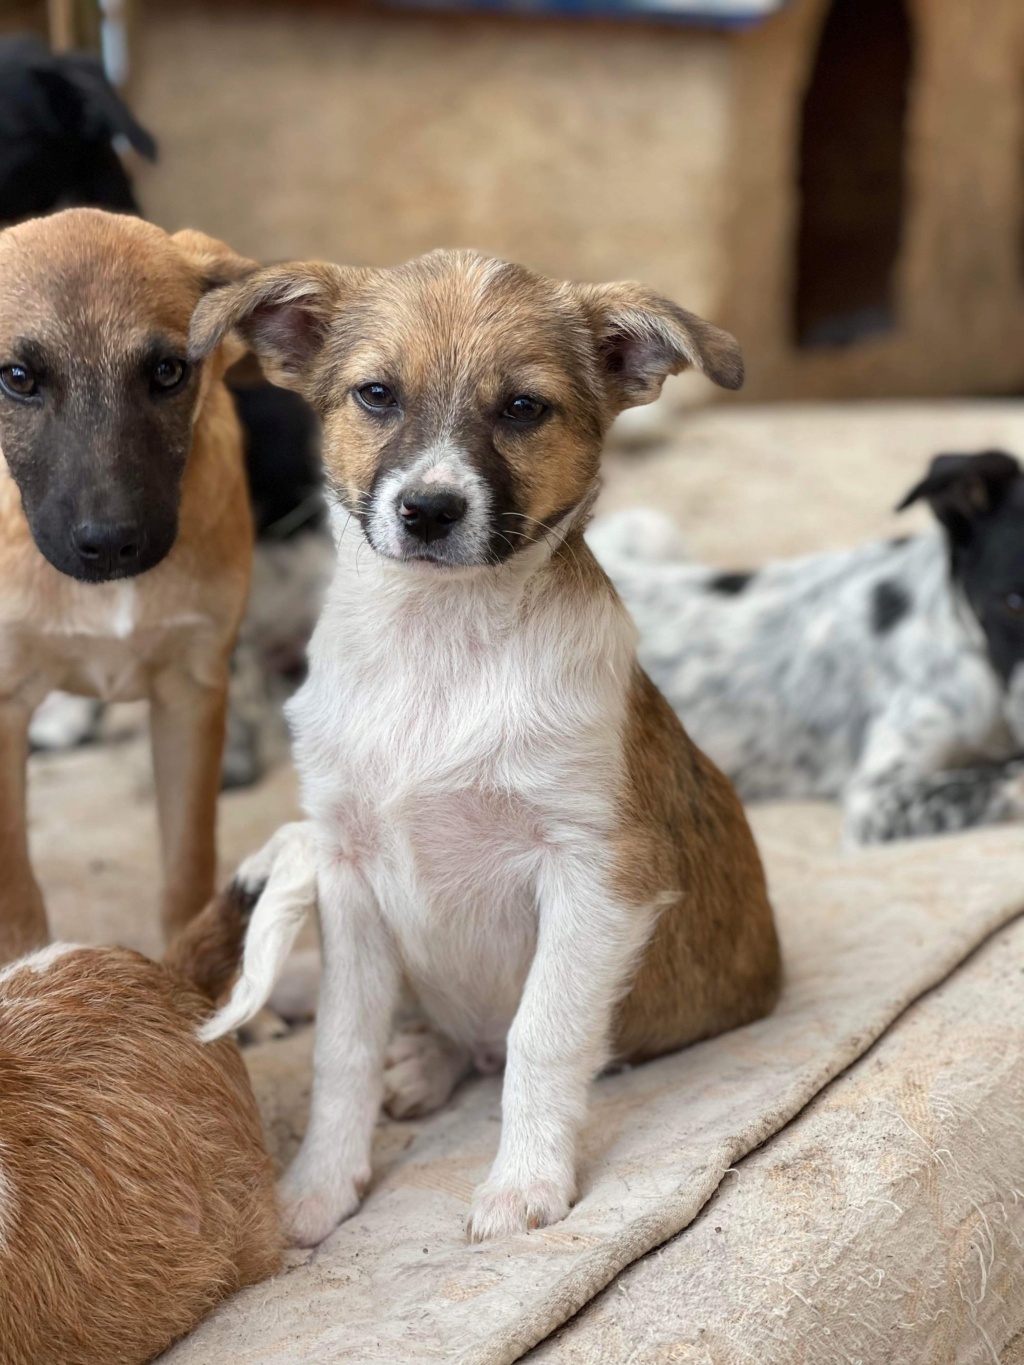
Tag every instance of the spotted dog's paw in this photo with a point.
(504, 1210)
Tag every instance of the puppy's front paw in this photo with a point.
(503, 1210)
(308, 1216)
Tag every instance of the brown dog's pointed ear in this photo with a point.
(961, 488)
(216, 262)
(283, 313)
(643, 338)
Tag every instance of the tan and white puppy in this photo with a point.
(125, 530)
(502, 809)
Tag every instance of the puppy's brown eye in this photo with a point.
(18, 381)
(169, 374)
(1014, 603)
(523, 408)
(377, 396)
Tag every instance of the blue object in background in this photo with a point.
(706, 13)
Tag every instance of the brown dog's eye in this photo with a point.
(523, 408)
(18, 381)
(169, 374)
(1014, 603)
(377, 396)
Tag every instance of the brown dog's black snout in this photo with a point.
(431, 515)
(108, 549)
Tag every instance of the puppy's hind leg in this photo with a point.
(421, 1069)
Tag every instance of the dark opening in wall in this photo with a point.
(852, 166)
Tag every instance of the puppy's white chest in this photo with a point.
(443, 760)
(118, 617)
(443, 804)
(455, 882)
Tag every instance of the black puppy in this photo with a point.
(59, 116)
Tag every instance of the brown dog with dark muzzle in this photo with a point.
(125, 530)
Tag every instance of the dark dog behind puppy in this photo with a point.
(59, 116)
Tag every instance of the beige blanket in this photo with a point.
(864, 935)
(885, 1224)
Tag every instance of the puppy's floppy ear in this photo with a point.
(962, 488)
(216, 262)
(283, 313)
(642, 338)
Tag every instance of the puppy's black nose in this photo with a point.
(430, 516)
(107, 548)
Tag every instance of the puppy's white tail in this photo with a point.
(283, 875)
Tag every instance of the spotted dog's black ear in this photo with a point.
(962, 488)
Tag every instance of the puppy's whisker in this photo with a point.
(505, 538)
(532, 521)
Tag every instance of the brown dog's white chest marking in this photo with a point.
(105, 640)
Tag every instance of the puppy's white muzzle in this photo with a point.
(436, 510)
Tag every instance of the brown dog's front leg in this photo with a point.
(187, 722)
(22, 913)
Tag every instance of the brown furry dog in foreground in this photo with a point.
(135, 1190)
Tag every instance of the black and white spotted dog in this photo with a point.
(888, 676)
